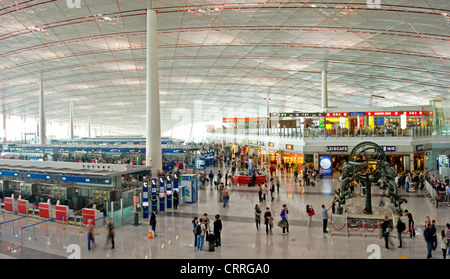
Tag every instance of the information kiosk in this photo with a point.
(189, 184)
(154, 196)
(162, 194)
(169, 196)
(145, 203)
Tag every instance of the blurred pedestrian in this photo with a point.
(153, 221)
(412, 232)
(111, 233)
(444, 244)
(257, 216)
(386, 227)
(90, 229)
(284, 213)
(225, 196)
(217, 230)
(311, 213)
(268, 220)
(400, 228)
(325, 217)
(195, 224)
(175, 199)
(428, 239)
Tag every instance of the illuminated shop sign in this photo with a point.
(289, 146)
(337, 114)
(419, 147)
(337, 148)
(389, 148)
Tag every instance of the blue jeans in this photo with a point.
(200, 241)
(225, 200)
(429, 248)
(90, 238)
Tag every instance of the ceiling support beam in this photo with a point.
(71, 120)
(324, 88)
(42, 136)
(153, 156)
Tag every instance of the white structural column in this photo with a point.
(89, 126)
(153, 125)
(42, 136)
(324, 88)
(71, 120)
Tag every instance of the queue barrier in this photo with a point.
(365, 230)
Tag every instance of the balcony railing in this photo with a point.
(415, 132)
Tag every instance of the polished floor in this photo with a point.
(240, 238)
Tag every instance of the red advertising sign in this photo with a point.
(44, 210)
(229, 120)
(384, 113)
(22, 207)
(336, 114)
(61, 212)
(88, 213)
(9, 204)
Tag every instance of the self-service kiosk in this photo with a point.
(189, 186)
(154, 195)
(169, 196)
(176, 186)
(162, 194)
(145, 203)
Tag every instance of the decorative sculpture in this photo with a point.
(367, 164)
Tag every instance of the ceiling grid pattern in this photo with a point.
(225, 56)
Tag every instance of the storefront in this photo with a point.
(294, 159)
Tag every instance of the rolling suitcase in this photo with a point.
(313, 184)
(211, 246)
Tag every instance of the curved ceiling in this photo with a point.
(219, 58)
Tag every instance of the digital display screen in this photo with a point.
(168, 192)
(145, 204)
(162, 195)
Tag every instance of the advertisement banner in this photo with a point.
(325, 162)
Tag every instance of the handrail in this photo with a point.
(12, 220)
(62, 216)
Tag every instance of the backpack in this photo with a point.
(198, 229)
(401, 226)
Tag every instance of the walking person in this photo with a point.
(111, 233)
(211, 177)
(386, 227)
(284, 219)
(264, 193)
(260, 193)
(257, 216)
(153, 221)
(225, 196)
(201, 231)
(195, 224)
(175, 199)
(278, 184)
(444, 244)
(412, 232)
(217, 230)
(310, 212)
(428, 239)
(447, 235)
(325, 217)
(272, 191)
(400, 228)
(90, 228)
(434, 237)
(268, 220)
